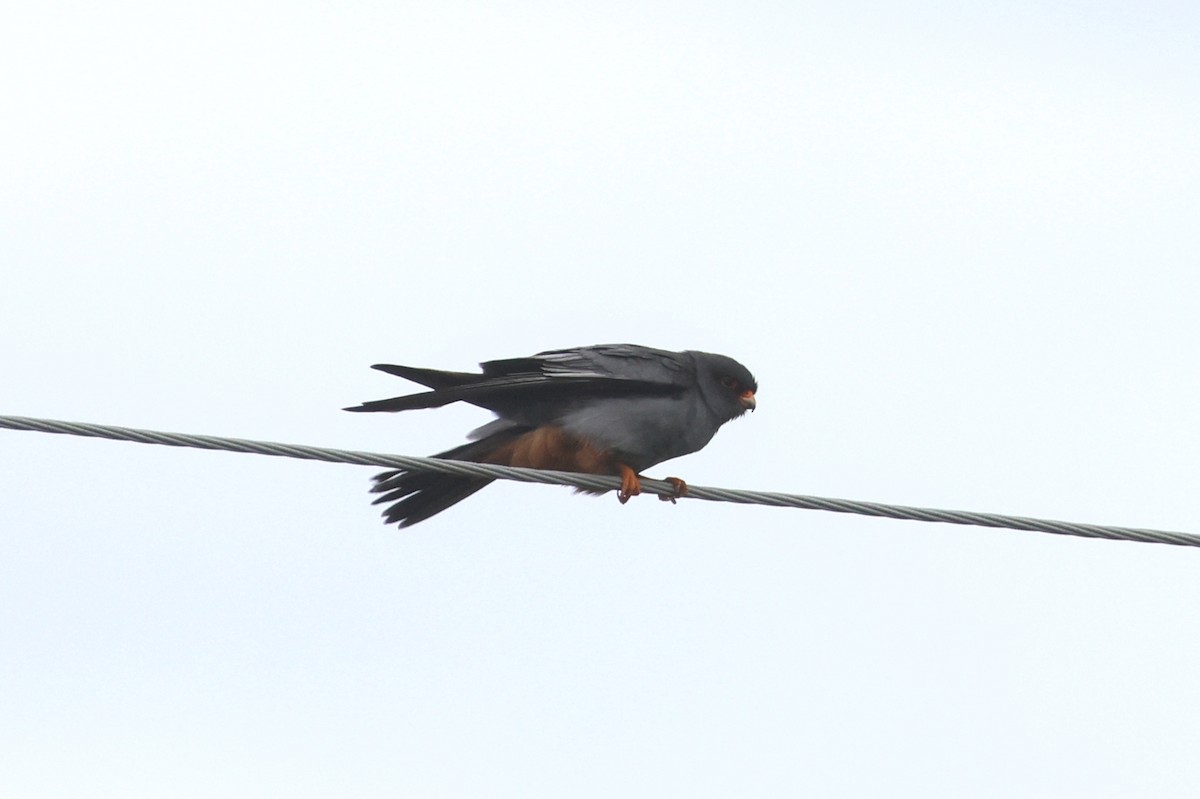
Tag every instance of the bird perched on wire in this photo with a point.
(613, 409)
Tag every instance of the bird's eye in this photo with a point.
(729, 382)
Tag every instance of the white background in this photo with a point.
(957, 245)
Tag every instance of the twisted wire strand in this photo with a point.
(549, 477)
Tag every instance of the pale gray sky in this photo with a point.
(957, 246)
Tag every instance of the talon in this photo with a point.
(681, 489)
(631, 485)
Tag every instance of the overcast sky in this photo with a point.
(957, 245)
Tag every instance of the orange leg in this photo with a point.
(680, 489)
(631, 486)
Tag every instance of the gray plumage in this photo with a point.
(639, 405)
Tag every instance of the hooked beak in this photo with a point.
(747, 400)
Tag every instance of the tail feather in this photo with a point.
(415, 496)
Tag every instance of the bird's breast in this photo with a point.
(642, 431)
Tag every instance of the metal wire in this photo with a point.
(658, 487)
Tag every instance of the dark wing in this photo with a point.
(433, 378)
(548, 377)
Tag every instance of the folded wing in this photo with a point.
(560, 375)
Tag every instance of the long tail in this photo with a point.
(415, 496)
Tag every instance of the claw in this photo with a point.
(681, 489)
(631, 484)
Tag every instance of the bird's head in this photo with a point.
(728, 387)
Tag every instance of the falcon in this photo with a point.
(611, 409)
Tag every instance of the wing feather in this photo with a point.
(548, 376)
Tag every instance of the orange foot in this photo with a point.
(631, 484)
(680, 489)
